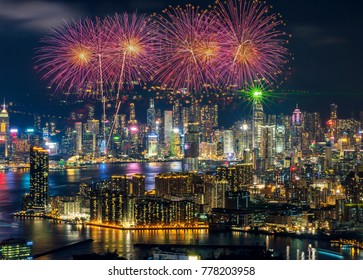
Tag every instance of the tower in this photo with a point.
(296, 123)
(332, 123)
(228, 144)
(258, 120)
(191, 148)
(168, 129)
(151, 116)
(39, 168)
(4, 133)
(78, 128)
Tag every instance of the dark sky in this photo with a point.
(327, 42)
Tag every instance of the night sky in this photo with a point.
(327, 44)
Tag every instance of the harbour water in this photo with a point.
(48, 235)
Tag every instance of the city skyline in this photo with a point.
(179, 124)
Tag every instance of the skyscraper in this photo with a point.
(258, 122)
(4, 133)
(39, 168)
(228, 144)
(168, 128)
(78, 128)
(151, 116)
(191, 148)
(297, 129)
(333, 122)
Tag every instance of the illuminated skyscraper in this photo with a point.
(191, 148)
(151, 116)
(39, 168)
(4, 133)
(174, 183)
(280, 139)
(296, 122)
(175, 150)
(228, 144)
(168, 128)
(137, 185)
(268, 145)
(258, 122)
(152, 145)
(79, 137)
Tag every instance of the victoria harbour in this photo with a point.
(47, 235)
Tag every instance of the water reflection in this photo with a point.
(48, 235)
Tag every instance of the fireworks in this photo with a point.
(189, 49)
(253, 45)
(131, 50)
(183, 49)
(67, 59)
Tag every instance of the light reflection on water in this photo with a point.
(48, 235)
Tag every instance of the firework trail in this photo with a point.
(253, 46)
(99, 37)
(189, 48)
(130, 53)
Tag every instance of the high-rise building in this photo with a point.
(4, 133)
(268, 145)
(173, 183)
(16, 249)
(191, 148)
(297, 129)
(333, 122)
(150, 114)
(79, 137)
(175, 149)
(257, 123)
(152, 145)
(312, 125)
(137, 184)
(228, 144)
(37, 200)
(152, 211)
(280, 139)
(168, 130)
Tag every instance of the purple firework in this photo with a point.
(67, 57)
(253, 48)
(130, 50)
(189, 48)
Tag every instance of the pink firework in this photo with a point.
(130, 50)
(130, 54)
(253, 48)
(67, 58)
(99, 38)
(189, 48)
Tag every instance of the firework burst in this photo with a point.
(253, 44)
(67, 58)
(131, 50)
(189, 48)
(130, 54)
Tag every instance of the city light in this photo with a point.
(201, 134)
